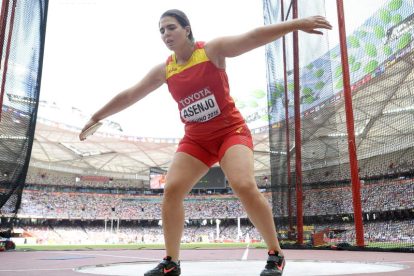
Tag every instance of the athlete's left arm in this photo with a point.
(232, 46)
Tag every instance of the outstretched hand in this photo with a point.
(88, 125)
(310, 24)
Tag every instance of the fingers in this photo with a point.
(326, 25)
(321, 22)
(90, 123)
(84, 128)
(315, 32)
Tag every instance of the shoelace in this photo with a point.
(162, 265)
(273, 264)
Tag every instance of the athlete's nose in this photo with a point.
(166, 33)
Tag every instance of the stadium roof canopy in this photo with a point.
(383, 108)
(383, 111)
(58, 149)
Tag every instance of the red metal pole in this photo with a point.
(3, 24)
(3, 84)
(298, 142)
(356, 185)
(289, 169)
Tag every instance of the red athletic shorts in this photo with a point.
(212, 151)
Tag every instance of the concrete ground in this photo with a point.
(220, 261)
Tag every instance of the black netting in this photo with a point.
(381, 63)
(23, 26)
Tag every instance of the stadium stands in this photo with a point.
(63, 208)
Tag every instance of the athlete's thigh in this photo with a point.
(183, 173)
(237, 164)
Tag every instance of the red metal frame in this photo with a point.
(356, 185)
(289, 169)
(3, 24)
(298, 142)
(3, 84)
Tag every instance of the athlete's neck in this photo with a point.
(184, 54)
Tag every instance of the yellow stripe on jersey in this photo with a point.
(199, 56)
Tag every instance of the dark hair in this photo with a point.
(182, 19)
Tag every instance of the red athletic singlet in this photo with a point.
(202, 93)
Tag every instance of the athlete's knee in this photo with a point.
(243, 186)
(173, 192)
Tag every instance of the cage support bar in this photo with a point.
(298, 142)
(356, 184)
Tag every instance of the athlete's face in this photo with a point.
(172, 33)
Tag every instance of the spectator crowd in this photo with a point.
(397, 195)
(393, 231)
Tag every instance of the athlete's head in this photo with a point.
(175, 29)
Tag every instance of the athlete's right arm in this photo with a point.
(153, 80)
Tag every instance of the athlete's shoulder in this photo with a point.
(169, 59)
(199, 45)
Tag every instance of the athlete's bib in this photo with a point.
(199, 107)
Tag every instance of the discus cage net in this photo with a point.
(341, 142)
(22, 33)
